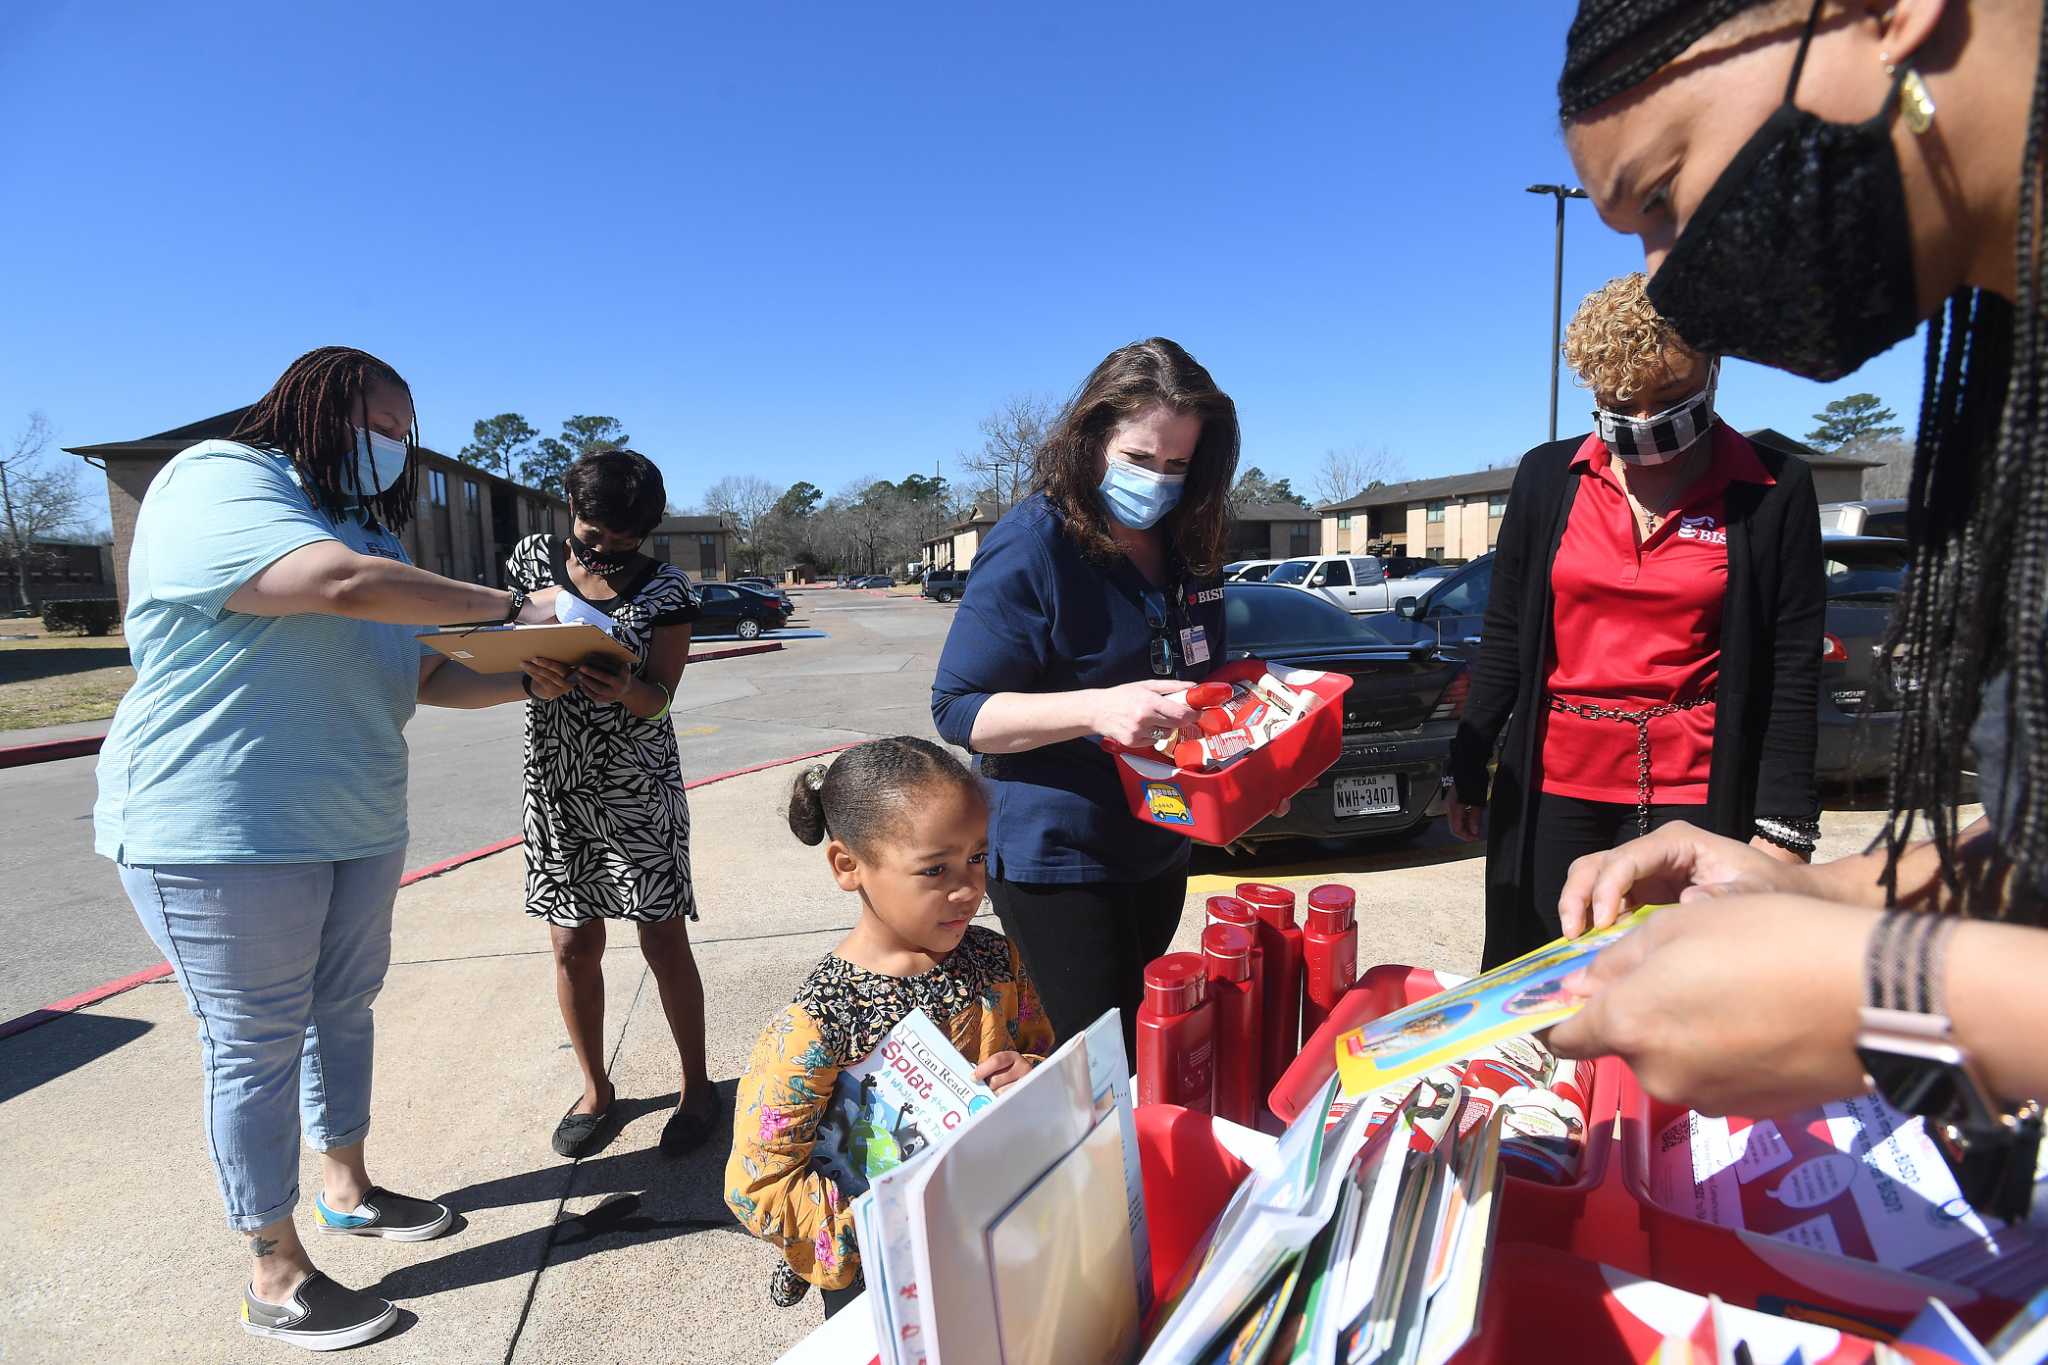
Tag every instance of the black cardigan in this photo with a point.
(1765, 709)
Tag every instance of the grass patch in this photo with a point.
(66, 679)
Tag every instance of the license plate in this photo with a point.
(1373, 794)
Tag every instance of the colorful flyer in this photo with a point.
(1515, 998)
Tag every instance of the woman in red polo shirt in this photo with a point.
(1652, 642)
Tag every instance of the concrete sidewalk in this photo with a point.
(115, 1248)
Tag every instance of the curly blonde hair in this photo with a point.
(1619, 345)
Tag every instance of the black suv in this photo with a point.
(944, 585)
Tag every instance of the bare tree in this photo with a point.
(744, 500)
(1344, 474)
(36, 501)
(1002, 471)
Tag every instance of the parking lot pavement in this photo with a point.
(68, 928)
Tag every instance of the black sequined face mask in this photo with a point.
(595, 560)
(1799, 256)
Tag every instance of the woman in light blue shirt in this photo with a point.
(252, 793)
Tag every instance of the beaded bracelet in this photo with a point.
(1800, 836)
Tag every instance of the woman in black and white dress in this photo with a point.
(607, 823)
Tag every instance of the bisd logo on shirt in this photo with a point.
(1702, 529)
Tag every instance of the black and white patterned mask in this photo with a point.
(1661, 437)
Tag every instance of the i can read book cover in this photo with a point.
(910, 1092)
(1515, 998)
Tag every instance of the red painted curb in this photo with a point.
(50, 750)
(21, 1023)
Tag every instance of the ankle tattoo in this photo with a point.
(260, 1247)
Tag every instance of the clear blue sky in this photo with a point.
(806, 241)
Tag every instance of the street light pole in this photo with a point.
(1560, 193)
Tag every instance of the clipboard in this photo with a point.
(502, 649)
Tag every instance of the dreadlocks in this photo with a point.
(311, 414)
(1973, 611)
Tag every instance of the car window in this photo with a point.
(1336, 573)
(1257, 573)
(716, 592)
(1366, 570)
(1870, 571)
(1462, 594)
(1885, 524)
(1293, 571)
(1255, 620)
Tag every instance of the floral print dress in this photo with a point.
(981, 998)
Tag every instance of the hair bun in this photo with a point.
(807, 805)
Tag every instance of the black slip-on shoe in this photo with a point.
(321, 1316)
(578, 1135)
(396, 1217)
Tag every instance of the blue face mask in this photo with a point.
(379, 462)
(1136, 496)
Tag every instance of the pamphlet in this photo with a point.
(1516, 998)
(911, 1091)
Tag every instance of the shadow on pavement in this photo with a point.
(28, 665)
(67, 1042)
(647, 1197)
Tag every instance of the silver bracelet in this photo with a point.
(1801, 836)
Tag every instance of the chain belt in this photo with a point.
(1641, 720)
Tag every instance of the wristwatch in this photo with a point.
(518, 605)
(1911, 1058)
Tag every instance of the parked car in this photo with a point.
(1449, 613)
(1859, 706)
(762, 585)
(1248, 570)
(944, 585)
(1399, 715)
(744, 612)
(1418, 580)
(1869, 517)
(873, 580)
(1357, 583)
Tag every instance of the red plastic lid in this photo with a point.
(1274, 904)
(1227, 952)
(1330, 908)
(1176, 983)
(1231, 910)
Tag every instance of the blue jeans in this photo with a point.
(280, 964)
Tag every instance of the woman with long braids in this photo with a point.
(1094, 603)
(1811, 179)
(252, 794)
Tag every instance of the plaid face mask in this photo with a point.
(1661, 437)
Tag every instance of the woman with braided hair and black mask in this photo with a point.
(1811, 179)
(252, 794)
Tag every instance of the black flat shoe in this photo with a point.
(688, 1128)
(578, 1135)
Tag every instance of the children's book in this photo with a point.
(910, 1093)
(1514, 999)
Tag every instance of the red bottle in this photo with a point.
(1234, 1008)
(1176, 1035)
(1231, 910)
(1280, 984)
(1329, 949)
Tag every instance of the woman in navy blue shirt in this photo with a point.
(1093, 605)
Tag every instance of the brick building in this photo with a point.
(701, 546)
(59, 570)
(467, 521)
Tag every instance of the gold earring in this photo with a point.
(1916, 102)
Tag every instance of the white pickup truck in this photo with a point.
(1357, 583)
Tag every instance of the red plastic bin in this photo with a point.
(1217, 807)
(1540, 1305)
(1753, 1270)
(1583, 1216)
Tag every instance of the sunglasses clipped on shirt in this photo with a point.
(1160, 651)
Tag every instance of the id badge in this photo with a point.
(1194, 645)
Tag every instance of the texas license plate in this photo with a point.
(1372, 794)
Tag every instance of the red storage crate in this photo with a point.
(1582, 1215)
(1216, 807)
(1541, 1305)
(1753, 1270)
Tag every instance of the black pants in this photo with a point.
(1561, 830)
(836, 1299)
(1086, 945)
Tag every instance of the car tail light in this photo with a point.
(1451, 704)
(1832, 650)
